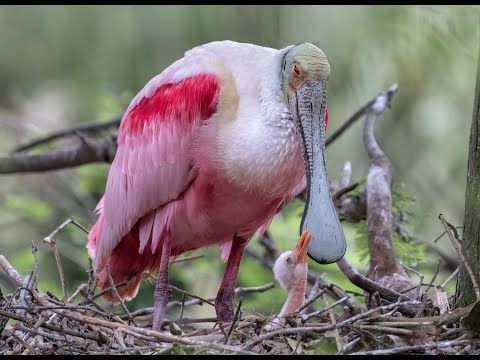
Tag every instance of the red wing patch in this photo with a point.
(180, 102)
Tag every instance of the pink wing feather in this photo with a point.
(152, 165)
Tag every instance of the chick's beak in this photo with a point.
(300, 250)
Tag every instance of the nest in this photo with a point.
(43, 324)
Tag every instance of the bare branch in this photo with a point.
(371, 286)
(384, 267)
(83, 153)
(308, 329)
(346, 125)
(117, 295)
(93, 127)
(456, 244)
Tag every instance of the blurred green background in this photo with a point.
(64, 65)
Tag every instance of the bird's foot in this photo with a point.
(161, 297)
(224, 310)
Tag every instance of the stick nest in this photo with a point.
(32, 322)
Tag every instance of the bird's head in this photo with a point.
(305, 71)
(292, 266)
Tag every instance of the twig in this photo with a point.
(349, 122)
(110, 289)
(190, 258)
(385, 329)
(350, 345)
(135, 331)
(86, 128)
(10, 270)
(452, 275)
(444, 319)
(82, 153)
(290, 331)
(368, 285)
(434, 276)
(416, 273)
(415, 348)
(457, 246)
(261, 288)
(324, 310)
(91, 283)
(235, 320)
(181, 310)
(192, 295)
(117, 295)
(443, 233)
(344, 191)
(35, 273)
(334, 322)
(450, 262)
(24, 343)
(311, 301)
(49, 240)
(198, 300)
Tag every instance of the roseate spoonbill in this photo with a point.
(208, 152)
(290, 270)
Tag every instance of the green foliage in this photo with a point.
(179, 350)
(402, 211)
(325, 346)
(113, 103)
(28, 207)
(91, 179)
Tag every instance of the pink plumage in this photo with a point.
(152, 167)
(207, 155)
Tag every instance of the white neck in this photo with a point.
(271, 161)
(296, 298)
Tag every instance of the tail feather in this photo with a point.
(125, 262)
(126, 291)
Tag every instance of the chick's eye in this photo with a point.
(289, 260)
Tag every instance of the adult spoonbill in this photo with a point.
(208, 152)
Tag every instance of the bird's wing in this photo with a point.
(152, 165)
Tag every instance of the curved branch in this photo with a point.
(384, 266)
(346, 125)
(379, 196)
(377, 106)
(86, 128)
(88, 151)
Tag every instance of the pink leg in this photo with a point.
(162, 289)
(224, 302)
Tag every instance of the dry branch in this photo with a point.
(87, 151)
(91, 128)
(384, 266)
(458, 247)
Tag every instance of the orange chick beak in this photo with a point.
(301, 249)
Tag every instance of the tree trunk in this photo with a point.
(471, 223)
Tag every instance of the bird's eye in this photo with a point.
(289, 260)
(296, 68)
